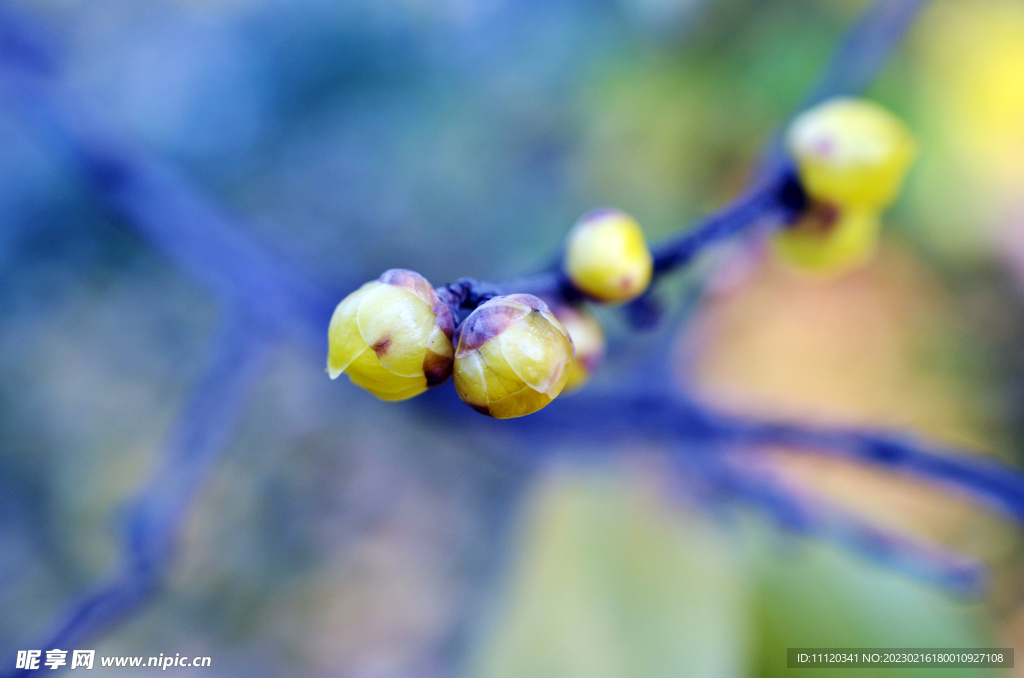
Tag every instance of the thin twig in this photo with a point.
(192, 448)
(992, 483)
(802, 514)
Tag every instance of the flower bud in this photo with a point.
(587, 340)
(392, 336)
(851, 152)
(607, 258)
(512, 358)
(829, 240)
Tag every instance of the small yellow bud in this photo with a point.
(588, 341)
(513, 357)
(851, 152)
(829, 240)
(393, 336)
(607, 258)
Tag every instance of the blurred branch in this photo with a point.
(989, 482)
(994, 484)
(705, 436)
(854, 63)
(710, 446)
(189, 227)
(671, 418)
(192, 448)
(804, 515)
(864, 50)
(780, 195)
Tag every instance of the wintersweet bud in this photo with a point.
(829, 240)
(392, 336)
(512, 358)
(851, 152)
(587, 339)
(607, 258)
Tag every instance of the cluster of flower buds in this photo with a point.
(396, 337)
(852, 156)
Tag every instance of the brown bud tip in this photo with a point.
(536, 303)
(494, 317)
(418, 285)
(437, 367)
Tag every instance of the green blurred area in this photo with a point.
(615, 582)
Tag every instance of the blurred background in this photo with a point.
(341, 536)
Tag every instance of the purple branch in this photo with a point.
(192, 448)
(186, 225)
(665, 417)
(805, 515)
(855, 62)
(992, 483)
(723, 452)
(780, 196)
(864, 50)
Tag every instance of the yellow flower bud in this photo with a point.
(851, 152)
(829, 240)
(393, 336)
(587, 340)
(512, 358)
(607, 258)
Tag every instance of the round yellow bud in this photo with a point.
(392, 336)
(829, 240)
(587, 340)
(851, 152)
(512, 358)
(607, 258)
